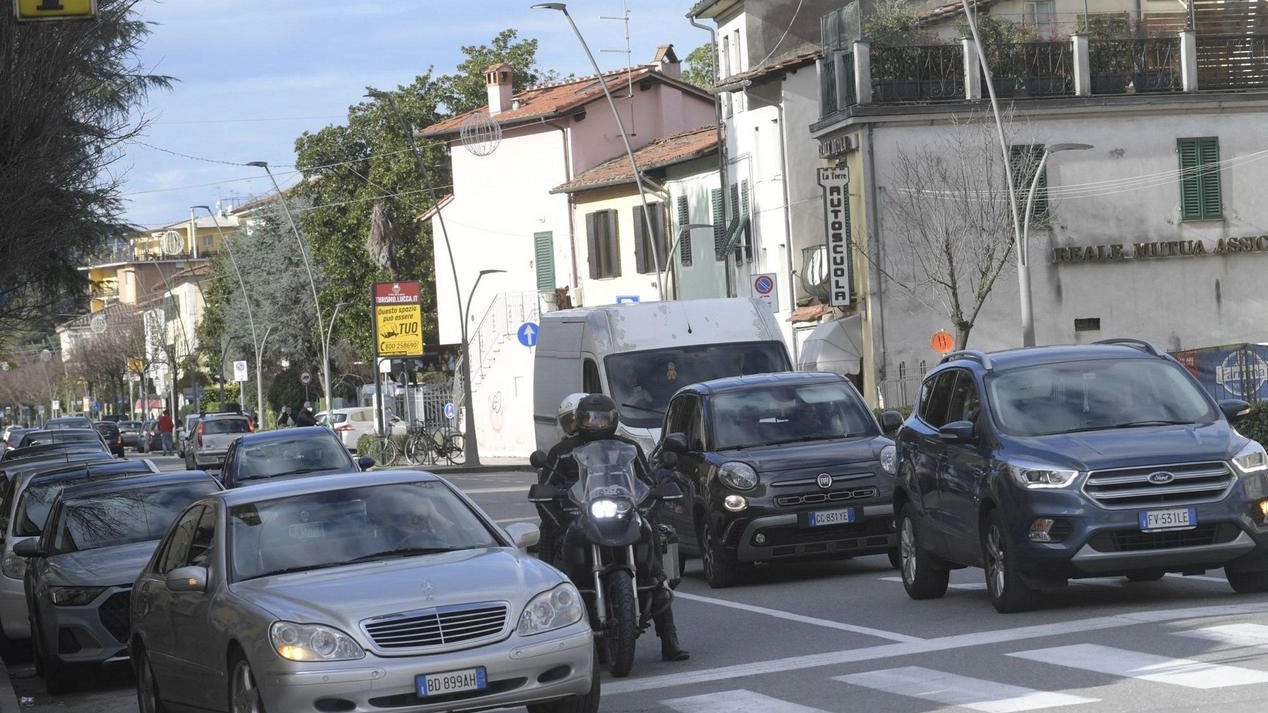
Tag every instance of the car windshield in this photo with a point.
(642, 383)
(1095, 395)
(334, 528)
(135, 515)
(272, 458)
(37, 438)
(57, 423)
(787, 413)
(37, 499)
(224, 425)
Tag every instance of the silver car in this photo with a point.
(356, 592)
(207, 445)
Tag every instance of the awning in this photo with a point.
(809, 313)
(835, 346)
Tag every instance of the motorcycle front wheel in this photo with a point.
(621, 631)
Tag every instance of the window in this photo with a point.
(1025, 159)
(200, 548)
(719, 223)
(174, 553)
(590, 382)
(740, 211)
(965, 404)
(935, 394)
(684, 238)
(1042, 16)
(604, 244)
(643, 244)
(544, 260)
(1087, 324)
(1200, 197)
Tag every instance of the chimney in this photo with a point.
(497, 79)
(667, 62)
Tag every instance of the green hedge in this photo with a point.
(366, 442)
(1255, 426)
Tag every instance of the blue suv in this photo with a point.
(1046, 464)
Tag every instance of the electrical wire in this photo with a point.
(788, 29)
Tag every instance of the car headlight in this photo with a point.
(1251, 458)
(313, 642)
(1034, 475)
(74, 596)
(552, 610)
(13, 566)
(740, 476)
(889, 459)
(607, 508)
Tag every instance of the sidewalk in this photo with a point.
(487, 465)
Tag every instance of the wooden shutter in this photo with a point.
(592, 244)
(719, 223)
(1209, 159)
(1200, 193)
(642, 257)
(684, 245)
(1190, 182)
(746, 240)
(612, 244)
(544, 260)
(658, 234)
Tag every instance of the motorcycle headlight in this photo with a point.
(889, 459)
(1035, 475)
(13, 566)
(74, 596)
(1251, 458)
(740, 476)
(552, 610)
(606, 508)
(313, 642)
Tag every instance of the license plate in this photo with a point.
(438, 684)
(820, 518)
(1178, 519)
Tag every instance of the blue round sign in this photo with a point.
(450, 410)
(763, 285)
(527, 334)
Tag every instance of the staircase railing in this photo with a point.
(500, 322)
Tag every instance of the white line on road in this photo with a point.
(946, 643)
(789, 616)
(1198, 577)
(1134, 664)
(737, 701)
(954, 690)
(1247, 635)
(968, 586)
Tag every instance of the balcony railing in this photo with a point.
(1232, 62)
(1137, 65)
(918, 73)
(1032, 69)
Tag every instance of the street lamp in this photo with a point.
(673, 250)
(312, 282)
(330, 405)
(620, 125)
(1023, 248)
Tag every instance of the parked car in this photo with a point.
(287, 452)
(213, 434)
(274, 586)
(148, 438)
(48, 449)
(80, 570)
(68, 422)
(183, 432)
(131, 430)
(350, 424)
(778, 467)
(13, 437)
(1047, 464)
(112, 436)
(38, 437)
(25, 509)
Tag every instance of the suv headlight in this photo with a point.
(889, 459)
(74, 596)
(551, 610)
(1036, 475)
(313, 642)
(1251, 458)
(740, 476)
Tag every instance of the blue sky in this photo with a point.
(254, 75)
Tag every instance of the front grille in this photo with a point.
(835, 496)
(114, 615)
(813, 481)
(1132, 488)
(439, 626)
(858, 534)
(1137, 541)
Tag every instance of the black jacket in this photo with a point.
(305, 418)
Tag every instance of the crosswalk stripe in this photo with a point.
(1134, 664)
(955, 690)
(736, 701)
(1248, 635)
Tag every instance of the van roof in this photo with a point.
(649, 325)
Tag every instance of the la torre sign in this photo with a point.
(1120, 252)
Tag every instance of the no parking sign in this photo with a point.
(764, 290)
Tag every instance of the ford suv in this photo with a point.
(1046, 464)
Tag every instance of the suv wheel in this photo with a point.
(1009, 592)
(720, 568)
(1246, 582)
(923, 578)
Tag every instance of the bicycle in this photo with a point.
(429, 446)
(384, 450)
(419, 445)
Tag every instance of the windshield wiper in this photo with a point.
(1127, 424)
(658, 412)
(310, 470)
(403, 552)
(800, 439)
(291, 570)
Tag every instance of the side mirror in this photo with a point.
(676, 443)
(187, 579)
(891, 421)
(667, 490)
(957, 432)
(31, 547)
(1235, 410)
(365, 462)
(537, 459)
(543, 493)
(523, 534)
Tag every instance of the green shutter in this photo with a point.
(612, 243)
(592, 244)
(1200, 193)
(1190, 182)
(719, 223)
(684, 244)
(642, 258)
(1209, 158)
(544, 259)
(748, 227)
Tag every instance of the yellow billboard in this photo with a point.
(398, 320)
(55, 9)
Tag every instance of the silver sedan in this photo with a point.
(357, 592)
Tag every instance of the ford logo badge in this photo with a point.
(1161, 477)
(824, 480)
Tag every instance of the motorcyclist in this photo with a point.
(561, 470)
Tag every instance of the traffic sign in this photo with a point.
(240, 371)
(43, 10)
(942, 341)
(450, 411)
(527, 334)
(764, 290)
(99, 323)
(626, 299)
(398, 320)
(305, 378)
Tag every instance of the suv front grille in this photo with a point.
(114, 615)
(440, 626)
(1137, 541)
(829, 497)
(1132, 488)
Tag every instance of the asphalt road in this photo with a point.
(844, 637)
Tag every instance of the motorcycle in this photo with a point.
(609, 543)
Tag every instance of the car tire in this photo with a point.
(244, 693)
(923, 577)
(1246, 582)
(895, 558)
(721, 569)
(621, 635)
(1149, 575)
(147, 690)
(1008, 591)
(588, 703)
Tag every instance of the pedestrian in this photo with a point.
(284, 418)
(305, 416)
(451, 363)
(166, 426)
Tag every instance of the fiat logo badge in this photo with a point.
(824, 480)
(1161, 477)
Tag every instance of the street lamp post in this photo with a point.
(312, 282)
(330, 328)
(1023, 248)
(620, 126)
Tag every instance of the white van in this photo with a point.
(640, 354)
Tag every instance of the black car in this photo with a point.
(287, 452)
(111, 435)
(1046, 464)
(778, 467)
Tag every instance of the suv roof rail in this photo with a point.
(1129, 342)
(973, 354)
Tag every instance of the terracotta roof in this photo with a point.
(658, 154)
(553, 100)
(948, 10)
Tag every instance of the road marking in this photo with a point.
(737, 701)
(968, 586)
(1148, 667)
(1244, 635)
(789, 616)
(946, 643)
(954, 690)
(1217, 580)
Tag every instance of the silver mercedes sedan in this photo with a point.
(357, 592)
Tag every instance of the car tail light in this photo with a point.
(250, 426)
(199, 435)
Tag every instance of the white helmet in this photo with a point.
(567, 416)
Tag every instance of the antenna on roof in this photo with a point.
(629, 59)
